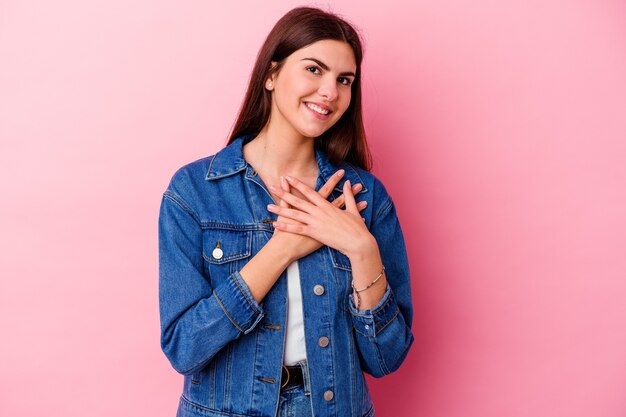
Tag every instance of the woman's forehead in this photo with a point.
(335, 54)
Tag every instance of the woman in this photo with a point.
(274, 300)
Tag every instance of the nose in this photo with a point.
(328, 89)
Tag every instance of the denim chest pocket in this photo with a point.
(225, 250)
(343, 276)
(340, 260)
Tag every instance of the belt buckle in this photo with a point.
(287, 379)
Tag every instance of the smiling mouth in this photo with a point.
(317, 109)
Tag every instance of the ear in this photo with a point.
(271, 79)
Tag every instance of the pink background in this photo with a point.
(498, 127)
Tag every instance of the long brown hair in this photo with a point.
(345, 140)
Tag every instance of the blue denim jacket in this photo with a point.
(213, 219)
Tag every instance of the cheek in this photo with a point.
(297, 86)
(345, 102)
(291, 95)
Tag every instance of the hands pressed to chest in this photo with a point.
(321, 221)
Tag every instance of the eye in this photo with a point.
(346, 81)
(342, 80)
(313, 67)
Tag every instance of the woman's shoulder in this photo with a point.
(190, 177)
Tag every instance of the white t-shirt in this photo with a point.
(295, 349)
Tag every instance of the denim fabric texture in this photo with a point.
(213, 219)
(296, 401)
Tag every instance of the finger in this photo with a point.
(291, 228)
(293, 200)
(361, 205)
(340, 201)
(328, 187)
(285, 186)
(311, 195)
(289, 213)
(350, 202)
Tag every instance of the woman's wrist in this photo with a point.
(363, 248)
(366, 267)
(285, 257)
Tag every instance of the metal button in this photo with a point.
(217, 252)
(323, 341)
(318, 289)
(328, 395)
(367, 327)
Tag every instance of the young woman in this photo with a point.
(277, 288)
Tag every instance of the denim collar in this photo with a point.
(229, 160)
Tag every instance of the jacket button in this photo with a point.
(318, 289)
(218, 253)
(328, 395)
(323, 341)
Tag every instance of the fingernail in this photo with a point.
(340, 173)
(289, 178)
(348, 181)
(272, 188)
(363, 203)
(358, 186)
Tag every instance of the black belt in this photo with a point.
(291, 377)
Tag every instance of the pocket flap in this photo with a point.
(223, 245)
(340, 260)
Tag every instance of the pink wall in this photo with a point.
(498, 127)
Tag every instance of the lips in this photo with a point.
(319, 110)
(320, 105)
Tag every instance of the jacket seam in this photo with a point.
(370, 412)
(381, 360)
(375, 311)
(360, 332)
(172, 196)
(226, 311)
(387, 324)
(385, 207)
(244, 295)
(201, 407)
(210, 165)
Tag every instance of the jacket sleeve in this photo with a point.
(383, 334)
(197, 320)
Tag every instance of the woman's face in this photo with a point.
(313, 88)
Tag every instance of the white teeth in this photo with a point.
(316, 108)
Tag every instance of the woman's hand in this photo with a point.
(300, 245)
(321, 220)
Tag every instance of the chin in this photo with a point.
(312, 133)
(316, 132)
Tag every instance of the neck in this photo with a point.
(276, 153)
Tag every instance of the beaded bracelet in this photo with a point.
(358, 297)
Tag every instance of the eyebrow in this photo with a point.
(325, 67)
